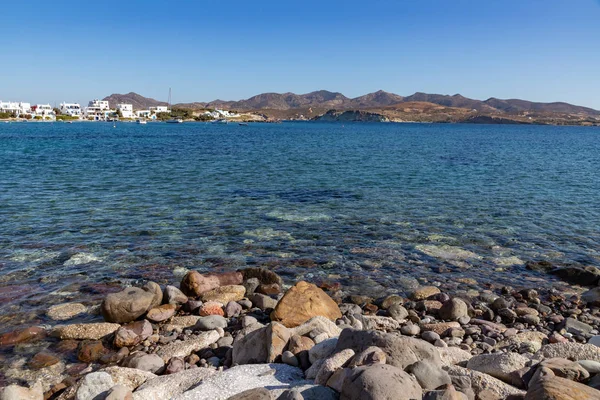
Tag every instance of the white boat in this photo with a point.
(141, 121)
(220, 121)
(175, 121)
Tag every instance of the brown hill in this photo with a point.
(139, 102)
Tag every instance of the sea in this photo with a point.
(366, 208)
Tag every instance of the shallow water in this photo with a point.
(85, 207)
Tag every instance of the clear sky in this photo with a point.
(540, 50)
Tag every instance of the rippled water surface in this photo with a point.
(87, 207)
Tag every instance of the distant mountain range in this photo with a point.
(324, 99)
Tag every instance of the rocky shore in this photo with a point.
(247, 335)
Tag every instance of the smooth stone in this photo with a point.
(566, 368)
(332, 364)
(397, 312)
(576, 327)
(290, 359)
(42, 359)
(132, 334)
(291, 394)
(498, 365)
(410, 330)
(595, 340)
(145, 362)
(94, 384)
(253, 394)
(298, 344)
(91, 351)
(92, 331)
(161, 313)
(370, 355)
(428, 375)
(119, 392)
(210, 322)
(154, 288)
(546, 385)
(481, 382)
(29, 334)
(453, 309)
(173, 295)
(593, 367)
(189, 346)
(336, 381)
(176, 364)
(131, 378)
(262, 301)
(302, 302)
(63, 312)
(317, 325)
(211, 308)
(127, 305)
(225, 294)
(233, 309)
(170, 386)
(195, 284)
(322, 350)
(380, 381)
(424, 292)
(277, 339)
(453, 355)
(430, 336)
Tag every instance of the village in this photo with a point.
(96, 110)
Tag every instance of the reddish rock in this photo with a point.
(269, 289)
(22, 335)
(91, 350)
(42, 359)
(162, 313)
(195, 284)
(211, 308)
(133, 333)
(66, 346)
(302, 302)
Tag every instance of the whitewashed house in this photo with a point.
(145, 114)
(126, 110)
(43, 110)
(159, 109)
(98, 110)
(70, 109)
(18, 108)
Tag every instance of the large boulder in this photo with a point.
(195, 284)
(592, 296)
(264, 276)
(546, 385)
(585, 276)
(169, 386)
(380, 382)
(571, 351)
(401, 351)
(127, 305)
(302, 302)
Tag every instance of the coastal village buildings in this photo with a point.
(70, 109)
(159, 109)
(97, 110)
(17, 108)
(126, 110)
(45, 111)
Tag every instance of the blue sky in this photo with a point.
(540, 50)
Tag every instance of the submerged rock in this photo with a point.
(63, 312)
(93, 331)
(22, 335)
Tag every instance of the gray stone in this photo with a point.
(127, 305)
(133, 333)
(156, 291)
(595, 340)
(430, 336)
(322, 350)
(429, 376)
(453, 309)
(169, 386)
(576, 327)
(481, 382)
(380, 381)
(173, 295)
(262, 301)
(498, 365)
(397, 312)
(410, 330)
(189, 346)
(369, 356)
(233, 309)
(290, 359)
(401, 351)
(317, 325)
(244, 377)
(332, 364)
(210, 322)
(63, 312)
(253, 394)
(145, 362)
(93, 385)
(251, 285)
(131, 378)
(593, 367)
(291, 394)
(251, 348)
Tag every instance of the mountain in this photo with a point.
(516, 105)
(377, 99)
(456, 101)
(139, 102)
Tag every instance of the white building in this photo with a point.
(98, 110)
(43, 110)
(159, 109)
(145, 114)
(101, 104)
(71, 109)
(126, 110)
(17, 108)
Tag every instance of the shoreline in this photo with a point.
(208, 327)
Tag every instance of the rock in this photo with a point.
(540, 266)
(430, 336)
(225, 294)
(132, 378)
(15, 392)
(251, 285)
(311, 373)
(277, 339)
(576, 327)
(176, 364)
(565, 368)
(127, 305)
(397, 312)
(194, 284)
(145, 362)
(287, 357)
(192, 306)
(592, 296)
(291, 394)
(332, 364)
(593, 367)
(93, 331)
(269, 289)
(22, 335)
(63, 312)
(132, 334)
(154, 288)
(379, 323)
(585, 276)
(302, 302)
(42, 359)
(298, 344)
(440, 328)
(251, 346)
(253, 394)
(410, 329)
(170, 386)
(453, 355)
(182, 322)
(424, 292)
(184, 349)
(91, 351)
(481, 382)
(161, 313)
(532, 339)
(401, 351)
(448, 394)
(428, 375)
(211, 308)
(119, 392)
(318, 325)
(210, 322)
(595, 340)
(380, 381)
(336, 381)
(262, 301)
(93, 385)
(498, 365)
(263, 275)
(369, 356)
(453, 309)
(322, 350)
(571, 351)
(244, 377)
(233, 309)
(172, 295)
(546, 385)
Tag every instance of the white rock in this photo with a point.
(332, 364)
(453, 355)
(498, 365)
(94, 384)
(481, 382)
(129, 377)
(318, 324)
(63, 312)
(168, 386)
(185, 348)
(14, 392)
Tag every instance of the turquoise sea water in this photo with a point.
(85, 206)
